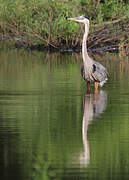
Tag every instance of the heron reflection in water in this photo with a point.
(93, 106)
(91, 70)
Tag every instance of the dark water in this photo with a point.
(50, 128)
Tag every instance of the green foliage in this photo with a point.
(111, 9)
(45, 21)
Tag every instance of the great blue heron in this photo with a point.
(91, 70)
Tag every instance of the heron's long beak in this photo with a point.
(74, 19)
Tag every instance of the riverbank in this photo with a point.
(43, 25)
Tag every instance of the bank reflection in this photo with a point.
(93, 106)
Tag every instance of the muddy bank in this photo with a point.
(111, 46)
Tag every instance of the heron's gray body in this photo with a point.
(95, 73)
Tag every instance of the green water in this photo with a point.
(50, 128)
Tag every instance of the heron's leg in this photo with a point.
(88, 86)
(96, 87)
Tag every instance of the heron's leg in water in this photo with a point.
(88, 86)
(96, 87)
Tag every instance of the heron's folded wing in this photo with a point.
(99, 72)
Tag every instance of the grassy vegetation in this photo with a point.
(44, 22)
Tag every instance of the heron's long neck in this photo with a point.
(84, 45)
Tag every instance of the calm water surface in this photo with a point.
(50, 128)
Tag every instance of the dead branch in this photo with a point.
(110, 22)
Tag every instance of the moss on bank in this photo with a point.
(43, 23)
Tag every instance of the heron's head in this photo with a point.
(80, 19)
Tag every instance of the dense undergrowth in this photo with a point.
(36, 23)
